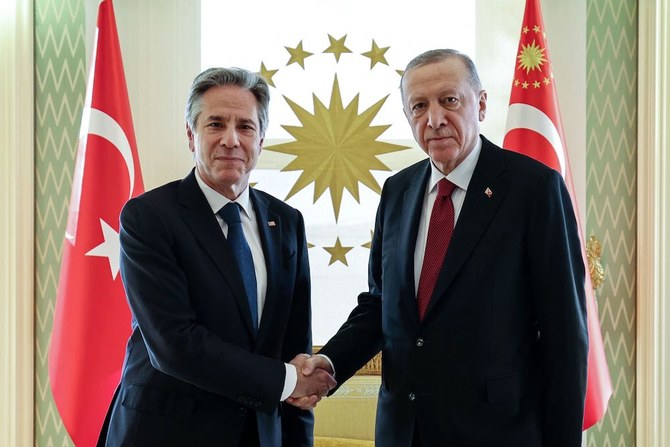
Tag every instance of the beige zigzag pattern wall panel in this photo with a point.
(60, 84)
(611, 204)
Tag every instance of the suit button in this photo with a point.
(419, 342)
(411, 397)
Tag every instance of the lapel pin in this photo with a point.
(271, 223)
(488, 192)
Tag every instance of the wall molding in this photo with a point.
(653, 226)
(16, 223)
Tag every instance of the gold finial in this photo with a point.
(594, 251)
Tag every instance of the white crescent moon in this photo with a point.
(106, 127)
(96, 122)
(524, 116)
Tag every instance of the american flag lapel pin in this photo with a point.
(488, 192)
(271, 223)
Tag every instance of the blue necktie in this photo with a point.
(231, 214)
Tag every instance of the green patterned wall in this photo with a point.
(611, 199)
(60, 82)
(60, 85)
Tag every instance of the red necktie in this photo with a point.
(440, 228)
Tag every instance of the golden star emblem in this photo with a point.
(536, 28)
(376, 54)
(267, 74)
(531, 57)
(536, 84)
(337, 47)
(298, 55)
(336, 148)
(338, 253)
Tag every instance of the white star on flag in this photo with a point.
(109, 248)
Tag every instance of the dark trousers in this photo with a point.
(416, 441)
(250, 432)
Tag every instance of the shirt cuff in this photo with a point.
(330, 362)
(290, 381)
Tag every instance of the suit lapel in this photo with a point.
(198, 216)
(409, 228)
(476, 214)
(269, 228)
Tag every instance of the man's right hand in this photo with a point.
(315, 380)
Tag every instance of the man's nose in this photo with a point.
(229, 138)
(436, 117)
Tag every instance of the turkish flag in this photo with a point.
(534, 128)
(92, 319)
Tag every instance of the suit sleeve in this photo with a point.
(177, 345)
(557, 275)
(360, 338)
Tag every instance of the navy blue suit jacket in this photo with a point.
(194, 369)
(500, 357)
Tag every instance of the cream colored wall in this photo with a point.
(566, 27)
(653, 272)
(16, 223)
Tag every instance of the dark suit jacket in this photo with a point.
(194, 370)
(500, 357)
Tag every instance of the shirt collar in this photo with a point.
(217, 200)
(461, 174)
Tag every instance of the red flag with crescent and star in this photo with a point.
(92, 320)
(534, 128)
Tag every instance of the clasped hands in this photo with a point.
(315, 380)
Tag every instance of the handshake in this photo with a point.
(315, 380)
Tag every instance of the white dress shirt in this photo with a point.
(460, 177)
(250, 228)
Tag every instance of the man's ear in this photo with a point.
(191, 138)
(483, 96)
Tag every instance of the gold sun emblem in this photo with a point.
(531, 57)
(336, 147)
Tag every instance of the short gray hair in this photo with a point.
(218, 77)
(439, 55)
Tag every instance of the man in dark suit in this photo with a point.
(217, 278)
(484, 343)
